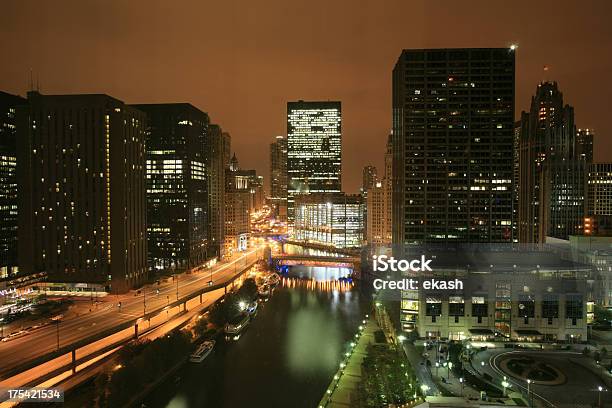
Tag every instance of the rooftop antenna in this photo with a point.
(37, 82)
(31, 81)
(545, 73)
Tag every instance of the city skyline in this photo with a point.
(249, 99)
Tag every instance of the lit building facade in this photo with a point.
(333, 219)
(278, 177)
(453, 126)
(552, 169)
(529, 296)
(238, 201)
(8, 185)
(314, 150)
(82, 190)
(599, 189)
(177, 186)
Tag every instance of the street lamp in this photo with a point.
(424, 388)
(505, 384)
(600, 389)
(461, 381)
(528, 393)
(450, 366)
(437, 365)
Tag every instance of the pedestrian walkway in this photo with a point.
(346, 381)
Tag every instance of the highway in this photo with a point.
(108, 315)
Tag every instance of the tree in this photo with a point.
(248, 290)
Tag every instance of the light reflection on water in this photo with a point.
(320, 273)
(292, 249)
(286, 357)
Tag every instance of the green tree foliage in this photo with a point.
(387, 377)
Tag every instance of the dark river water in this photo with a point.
(286, 357)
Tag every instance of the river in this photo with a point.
(288, 354)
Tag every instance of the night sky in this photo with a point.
(241, 61)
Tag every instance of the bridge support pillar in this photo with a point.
(225, 290)
(136, 331)
(200, 298)
(73, 361)
(185, 306)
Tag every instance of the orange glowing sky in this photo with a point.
(241, 61)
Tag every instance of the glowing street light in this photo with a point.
(528, 393)
(505, 384)
(513, 47)
(600, 389)
(424, 388)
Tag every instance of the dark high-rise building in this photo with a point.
(227, 148)
(453, 121)
(584, 145)
(369, 179)
(369, 176)
(516, 180)
(278, 176)
(177, 186)
(552, 169)
(81, 176)
(216, 163)
(8, 184)
(314, 151)
(599, 189)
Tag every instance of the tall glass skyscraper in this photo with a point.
(177, 186)
(453, 129)
(314, 151)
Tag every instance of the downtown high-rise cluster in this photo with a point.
(101, 195)
(467, 176)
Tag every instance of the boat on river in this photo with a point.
(202, 351)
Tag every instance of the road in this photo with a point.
(108, 315)
(580, 390)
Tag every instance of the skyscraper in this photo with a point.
(278, 176)
(8, 184)
(379, 204)
(552, 169)
(237, 206)
(217, 160)
(81, 176)
(177, 186)
(369, 178)
(453, 118)
(314, 152)
(584, 144)
(334, 219)
(599, 189)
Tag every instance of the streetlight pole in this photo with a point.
(600, 389)
(57, 322)
(177, 280)
(528, 393)
(144, 301)
(461, 381)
